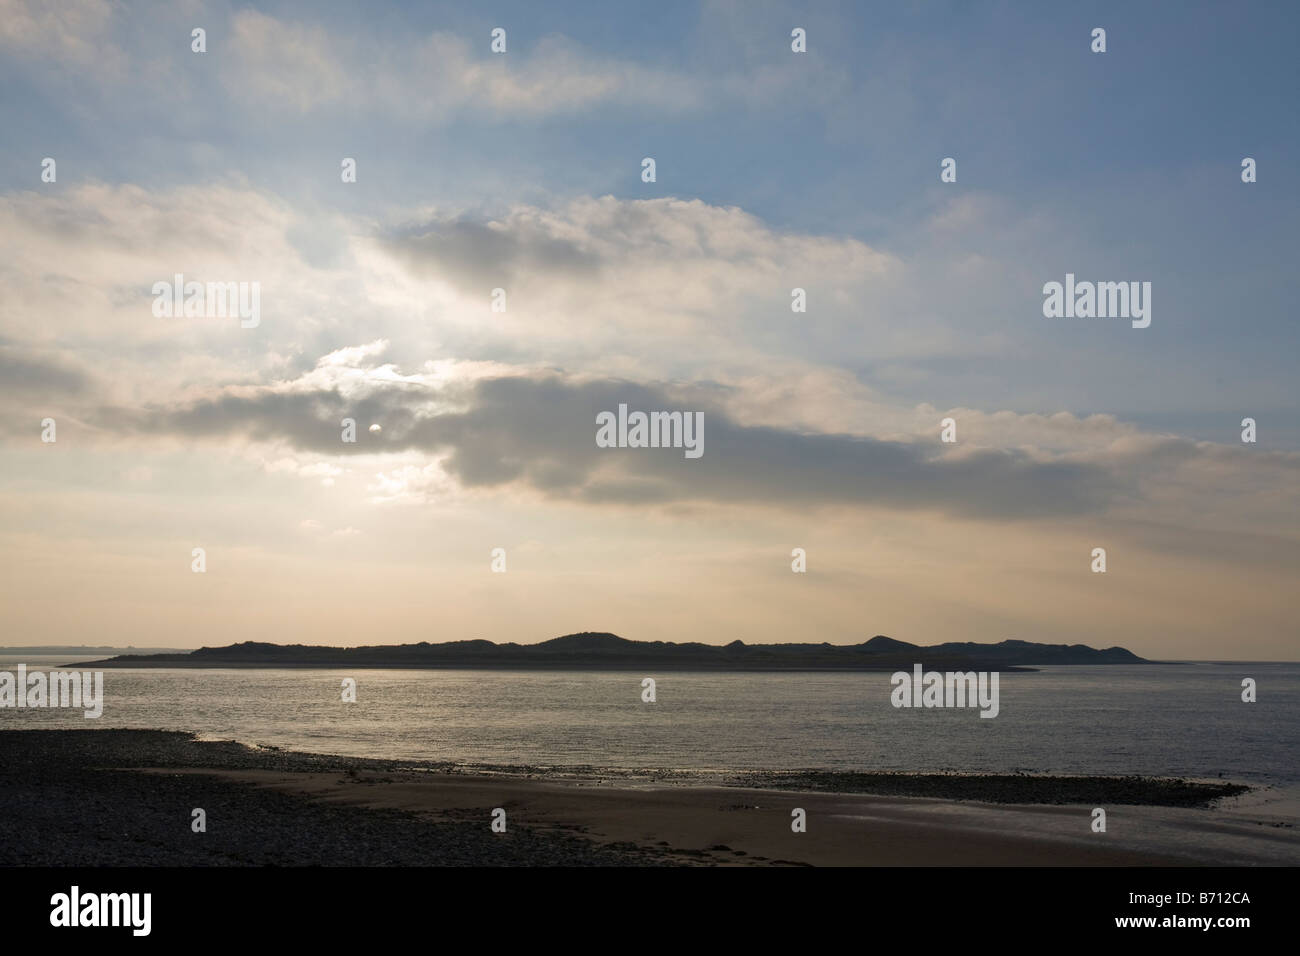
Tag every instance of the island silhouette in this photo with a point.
(604, 651)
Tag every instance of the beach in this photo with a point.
(126, 797)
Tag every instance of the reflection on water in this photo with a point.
(1183, 720)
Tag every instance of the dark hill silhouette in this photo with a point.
(883, 645)
(595, 650)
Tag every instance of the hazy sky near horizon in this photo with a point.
(775, 170)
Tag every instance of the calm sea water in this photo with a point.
(1185, 720)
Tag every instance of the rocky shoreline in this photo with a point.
(70, 798)
(1002, 788)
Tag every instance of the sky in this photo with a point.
(522, 171)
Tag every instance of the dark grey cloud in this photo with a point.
(540, 431)
(473, 255)
(35, 376)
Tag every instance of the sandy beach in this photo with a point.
(120, 797)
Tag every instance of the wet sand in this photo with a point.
(724, 825)
(129, 795)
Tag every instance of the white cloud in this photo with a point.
(411, 484)
(299, 66)
(665, 290)
(76, 33)
(288, 63)
(325, 471)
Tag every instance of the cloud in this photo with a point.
(660, 288)
(638, 278)
(75, 33)
(300, 66)
(34, 375)
(271, 65)
(538, 432)
(325, 471)
(291, 64)
(674, 303)
(479, 256)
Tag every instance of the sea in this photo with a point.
(1184, 720)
